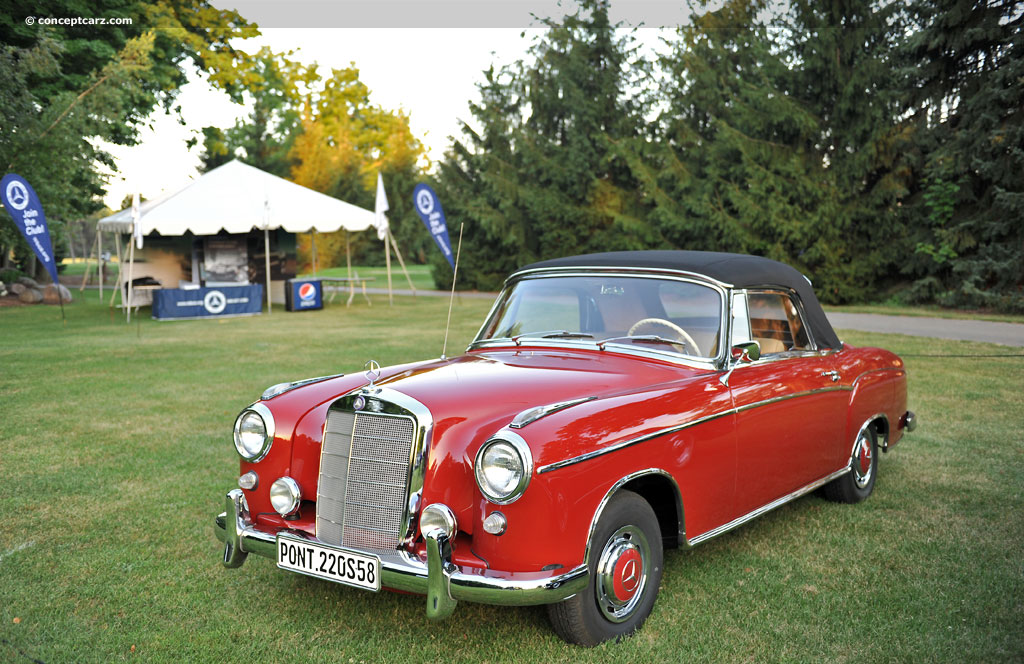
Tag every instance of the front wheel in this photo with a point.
(625, 572)
(857, 484)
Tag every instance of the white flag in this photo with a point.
(136, 222)
(380, 217)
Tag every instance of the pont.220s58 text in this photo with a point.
(328, 563)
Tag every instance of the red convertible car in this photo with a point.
(611, 406)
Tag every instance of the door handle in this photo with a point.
(834, 375)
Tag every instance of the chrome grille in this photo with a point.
(364, 480)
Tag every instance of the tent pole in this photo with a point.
(312, 242)
(99, 257)
(88, 267)
(348, 255)
(401, 262)
(117, 280)
(266, 258)
(387, 261)
(131, 269)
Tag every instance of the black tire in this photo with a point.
(625, 571)
(857, 484)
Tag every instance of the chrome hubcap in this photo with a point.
(622, 573)
(862, 458)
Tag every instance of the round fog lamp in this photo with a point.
(249, 481)
(285, 496)
(438, 519)
(495, 523)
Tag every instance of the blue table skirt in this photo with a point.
(217, 302)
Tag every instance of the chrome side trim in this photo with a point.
(615, 488)
(795, 395)
(767, 508)
(679, 427)
(875, 370)
(633, 441)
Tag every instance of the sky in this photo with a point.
(425, 58)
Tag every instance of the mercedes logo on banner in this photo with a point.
(215, 302)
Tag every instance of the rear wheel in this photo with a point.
(857, 484)
(625, 571)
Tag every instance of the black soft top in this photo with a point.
(737, 270)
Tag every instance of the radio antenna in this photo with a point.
(455, 274)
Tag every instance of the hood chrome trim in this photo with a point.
(533, 414)
(273, 390)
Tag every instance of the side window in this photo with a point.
(776, 324)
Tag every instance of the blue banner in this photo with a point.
(184, 303)
(429, 208)
(24, 207)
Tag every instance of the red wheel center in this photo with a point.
(628, 574)
(864, 457)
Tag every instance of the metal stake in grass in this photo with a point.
(455, 274)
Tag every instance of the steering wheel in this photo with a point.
(672, 327)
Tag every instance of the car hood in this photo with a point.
(499, 384)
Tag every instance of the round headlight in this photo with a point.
(285, 496)
(254, 432)
(503, 468)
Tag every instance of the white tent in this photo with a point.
(238, 198)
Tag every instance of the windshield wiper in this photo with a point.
(646, 338)
(552, 334)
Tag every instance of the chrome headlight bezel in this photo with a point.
(268, 436)
(520, 451)
(438, 518)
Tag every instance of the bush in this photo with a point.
(10, 275)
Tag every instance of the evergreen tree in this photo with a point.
(969, 60)
(783, 131)
(543, 177)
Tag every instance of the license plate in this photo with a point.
(329, 562)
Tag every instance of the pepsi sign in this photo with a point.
(303, 295)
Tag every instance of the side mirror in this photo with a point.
(747, 352)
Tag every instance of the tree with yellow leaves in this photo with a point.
(326, 134)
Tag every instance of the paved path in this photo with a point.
(1007, 334)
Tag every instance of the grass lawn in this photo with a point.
(115, 454)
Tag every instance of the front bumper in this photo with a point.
(443, 582)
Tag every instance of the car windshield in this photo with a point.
(668, 315)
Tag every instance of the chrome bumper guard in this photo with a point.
(443, 582)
